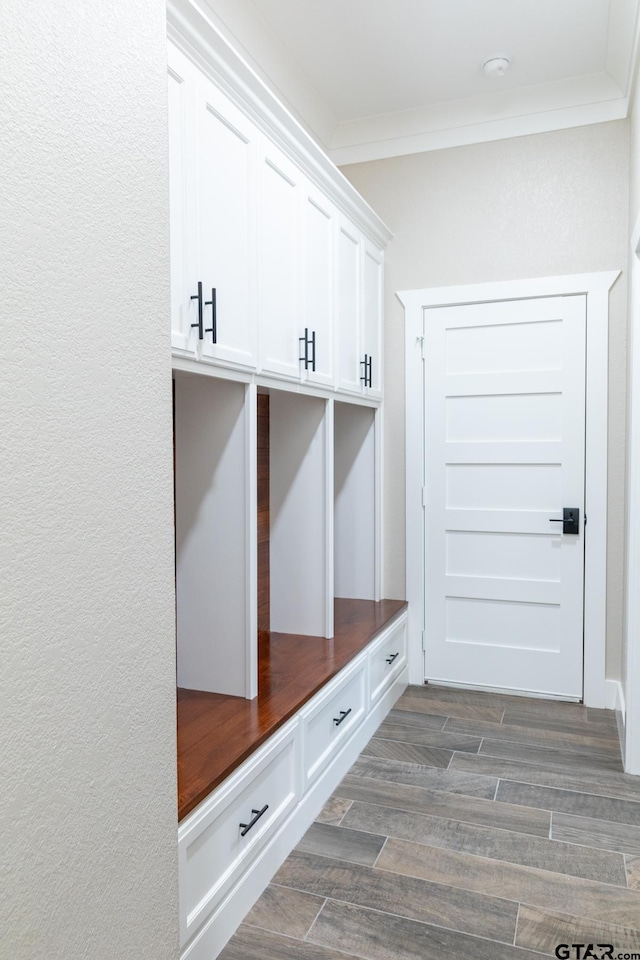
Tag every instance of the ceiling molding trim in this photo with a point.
(483, 132)
(201, 40)
(622, 45)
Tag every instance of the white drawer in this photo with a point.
(212, 849)
(331, 718)
(387, 659)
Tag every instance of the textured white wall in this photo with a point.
(555, 203)
(87, 682)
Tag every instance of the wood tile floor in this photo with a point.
(472, 825)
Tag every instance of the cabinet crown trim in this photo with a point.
(190, 29)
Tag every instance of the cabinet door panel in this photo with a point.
(226, 234)
(348, 308)
(372, 315)
(278, 253)
(181, 91)
(318, 292)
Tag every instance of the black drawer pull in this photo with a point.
(343, 716)
(245, 827)
(392, 657)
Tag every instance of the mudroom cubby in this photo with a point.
(300, 515)
(288, 658)
(214, 435)
(356, 502)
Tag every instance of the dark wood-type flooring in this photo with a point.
(472, 825)
(217, 733)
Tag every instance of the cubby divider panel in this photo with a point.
(355, 526)
(300, 518)
(215, 622)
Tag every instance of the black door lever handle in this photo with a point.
(570, 520)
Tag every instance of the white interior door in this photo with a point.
(504, 454)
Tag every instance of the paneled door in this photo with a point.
(504, 443)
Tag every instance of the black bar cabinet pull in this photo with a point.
(305, 340)
(392, 657)
(198, 296)
(366, 363)
(245, 827)
(343, 716)
(213, 329)
(308, 341)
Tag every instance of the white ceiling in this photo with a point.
(376, 78)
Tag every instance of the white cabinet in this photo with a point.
(372, 318)
(359, 312)
(319, 224)
(331, 718)
(387, 659)
(348, 312)
(268, 274)
(278, 254)
(225, 861)
(225, 227)
(231, 826)
(212, 161)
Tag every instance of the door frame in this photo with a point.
(628, 709)
(595, 286)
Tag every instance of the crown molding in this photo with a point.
(199, 39)
(558, 106)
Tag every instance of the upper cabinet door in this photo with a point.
(225, 216)
(182, 80)
(348, 309)
(318, 232)
(372, 277)
(279, 311)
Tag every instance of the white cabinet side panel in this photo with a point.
(211, 539)
(181, 82)
(298, 514)
(355, 516)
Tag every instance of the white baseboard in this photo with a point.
(614, 695)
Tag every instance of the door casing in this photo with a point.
(596, 288)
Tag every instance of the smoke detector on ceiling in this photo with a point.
(496, 66)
